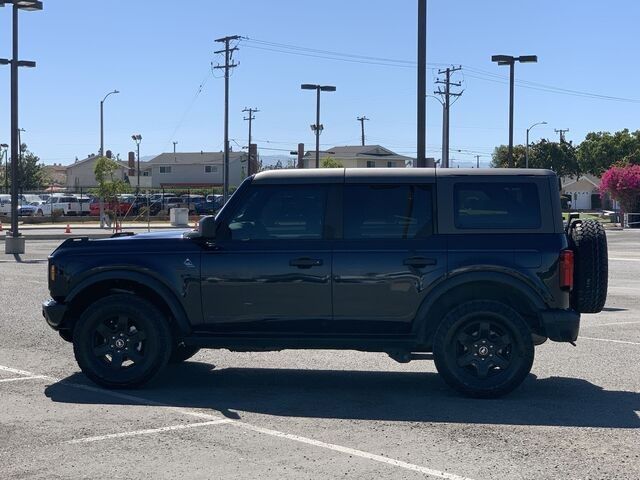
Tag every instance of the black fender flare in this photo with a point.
(512, 279)
(175, 307)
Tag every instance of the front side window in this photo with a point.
(210, 169)
(165, 169)
(496, 206)
(280, 212)
(371, 164)
(387, 212)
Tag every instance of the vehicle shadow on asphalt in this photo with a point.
(369, 395)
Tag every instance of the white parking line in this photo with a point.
(247, 426)
(148, 431)
(17, 379)
(353, 452)
(621, 259)
(607, 324)
(608, 340)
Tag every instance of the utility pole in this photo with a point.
(175, 158)
(250, 118)
(362, 120)
(421, 143)
(228, 65)
(447, 94)
(477, 161)
(561, 131)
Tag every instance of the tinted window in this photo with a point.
(387, 211)
(280, 212)
(496, 205)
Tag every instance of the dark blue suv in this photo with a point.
(469, 267)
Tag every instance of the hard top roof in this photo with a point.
(400, 175)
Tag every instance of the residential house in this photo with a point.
(55, 175)
(80, 174)
(584, 192)
(183, 170)
(367, 156)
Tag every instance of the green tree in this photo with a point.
(109, 187)
(330, 162)
(601, 150)
(499, 159)
(30, 171)
(559, 157)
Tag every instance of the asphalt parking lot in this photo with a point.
(320, 414)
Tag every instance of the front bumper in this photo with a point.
(561, 325)
(54, 313)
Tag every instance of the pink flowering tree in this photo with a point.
(623, 184)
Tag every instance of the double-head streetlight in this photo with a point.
(102, 120)
(317, 127)
(511, 61)
(137, 138)
(526, 150)
(14, 244)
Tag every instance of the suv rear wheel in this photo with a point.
(483, 349)
(122, 341)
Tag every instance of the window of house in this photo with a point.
(389, 164)
(210, 169)
(387, 211)
(371, 163)
(279, 212)
(165, 169)
(496, 205)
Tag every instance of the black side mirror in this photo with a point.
(207, 227)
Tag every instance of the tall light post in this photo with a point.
(318, 127)
(526, 150)
(511, 61)
(14, 244)
(137, 138)
(3, 152)
(102, 121)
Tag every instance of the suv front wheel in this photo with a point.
(122, 341)
(483, 349)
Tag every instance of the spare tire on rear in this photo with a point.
(588, 241)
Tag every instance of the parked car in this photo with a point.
(67, 204)
(472, 268)
(122, 208)
(29, 210)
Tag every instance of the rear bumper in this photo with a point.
(54, 313)
(561, 325)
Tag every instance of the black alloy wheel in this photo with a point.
(483, 349)
(122, 341)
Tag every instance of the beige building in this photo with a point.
(80, 174)
(583, 190)
(367, 156)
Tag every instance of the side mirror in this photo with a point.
(207, 227)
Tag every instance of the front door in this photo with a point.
(270, 268)
(387, 259)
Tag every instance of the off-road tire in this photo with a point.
(130, 321)
(508, 344)
(588, 240)
(182, 353)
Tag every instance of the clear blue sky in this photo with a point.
(158, 53)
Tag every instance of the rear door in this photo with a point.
(388, 256)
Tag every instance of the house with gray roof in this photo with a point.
(80, 174)
(371, 156)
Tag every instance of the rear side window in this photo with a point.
(387, 211)
(496, 206)
(281, 212)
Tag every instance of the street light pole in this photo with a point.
(102, 121)
(14, 244)
(138, 138)
(526, 150)
(510, 60)
(318, 127)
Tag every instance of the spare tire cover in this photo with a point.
(588, 241)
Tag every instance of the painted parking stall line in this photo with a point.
(148, 431)
(608, 324)
(608, 340)
(215, 420)
(18, 379)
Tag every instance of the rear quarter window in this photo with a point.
(496, 206)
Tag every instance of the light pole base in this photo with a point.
(14, 245)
